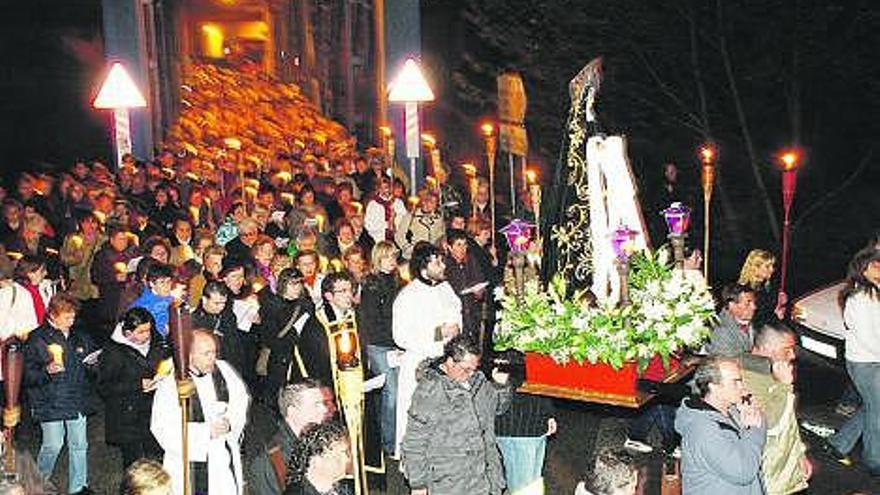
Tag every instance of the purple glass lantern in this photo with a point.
(621, 242)
(518, 234)
(678, 218)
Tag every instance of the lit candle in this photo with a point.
(164, 368)
(76, 241)
(57, 353)
(120, 267)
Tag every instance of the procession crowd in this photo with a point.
(270, 265)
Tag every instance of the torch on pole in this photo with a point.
(488, 130)
(789, 162)
(707, 156)
(179, 326)
(12, 370)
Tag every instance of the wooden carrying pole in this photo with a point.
(179, 325)
(12, 369)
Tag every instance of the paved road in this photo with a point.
(581, 428)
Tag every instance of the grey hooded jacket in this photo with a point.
(718, 456)
(449, 446)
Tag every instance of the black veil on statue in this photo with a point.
(565, 222)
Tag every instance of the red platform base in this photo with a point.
(600, 378)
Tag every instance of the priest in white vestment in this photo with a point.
(426, 314)
(217, 416)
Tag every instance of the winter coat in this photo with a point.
(374, 312)
(728, 339)
(77, 256)
(275, 313)
(263, 480)
(784, 450)
(66, 394)
(127, 407)
(225, 327)
(418, 226)
(718, 456)
(157, 306)
(449, 446)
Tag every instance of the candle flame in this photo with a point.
(57, 353)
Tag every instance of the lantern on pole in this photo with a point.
(518, 234)
(488, 131)
(535, 197)
(789, 162)
(411, 88)
(348, 381)
(622, 244)
(119, 93)
(707, 157)
(678, 219)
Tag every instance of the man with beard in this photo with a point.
(425, 315)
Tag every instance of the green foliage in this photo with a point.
(670, 310)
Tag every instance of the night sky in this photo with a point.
(52, 56)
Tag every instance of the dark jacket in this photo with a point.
(263, 480)
(225, 327)
(449, 446)
(374, 313)
(275, 314)
(63, 395)
(127, 407)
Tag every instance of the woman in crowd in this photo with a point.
(757, 273)
(860, 299)
(77, 254)
(263, 252)
(31, 273)
(129, 373)
(374, 326)
(109, 273)
(56, 358)
(283, 314)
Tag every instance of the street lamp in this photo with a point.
(410, 88)
(789, 161)
(678, 219)
(488, 131)
(119, 93)
(708, 157)
(622, 243)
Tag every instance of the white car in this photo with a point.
(819, 321)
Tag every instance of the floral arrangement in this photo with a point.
(669, 310)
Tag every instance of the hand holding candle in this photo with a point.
(57, 354)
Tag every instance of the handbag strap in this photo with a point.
(284, 331)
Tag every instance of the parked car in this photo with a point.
(818, 319)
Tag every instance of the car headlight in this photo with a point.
(798, 313)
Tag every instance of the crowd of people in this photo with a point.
(93, 260)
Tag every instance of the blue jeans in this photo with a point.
(523, 460)
(865, 423)
(77, 450)
(378, 358)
